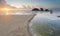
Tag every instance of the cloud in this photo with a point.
(29, 6)
(2, 3)
(21, 6)
(26, 6)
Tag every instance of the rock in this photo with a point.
(35, 9)
(46, 10)
(41, 9)
(58, 16)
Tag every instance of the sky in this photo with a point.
(34, 3)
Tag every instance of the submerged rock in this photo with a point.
(58, 16)
(51, 11)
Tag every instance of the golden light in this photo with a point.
(6, 11)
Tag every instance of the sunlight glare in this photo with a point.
(6, 11)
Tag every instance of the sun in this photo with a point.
(6, 9)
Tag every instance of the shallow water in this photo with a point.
(45, 25)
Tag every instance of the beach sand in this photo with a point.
(15, 25)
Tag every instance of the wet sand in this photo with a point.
(15, 25)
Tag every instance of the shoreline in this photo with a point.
(28, 24)
(15, 25)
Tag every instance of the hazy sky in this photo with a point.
(34, 3)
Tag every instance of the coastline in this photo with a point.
(15, 25)
(28, 24)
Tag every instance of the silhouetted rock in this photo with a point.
(35, 9)
(41, 9)
(46, 10)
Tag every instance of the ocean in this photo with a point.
(45, 24)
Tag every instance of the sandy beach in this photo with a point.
(15, 25)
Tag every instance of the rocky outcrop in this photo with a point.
(35, 9)
(41, 9)
(46, 10)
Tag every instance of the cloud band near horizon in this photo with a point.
(34, 3)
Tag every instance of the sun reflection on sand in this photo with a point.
(5, 11)
(20, 13)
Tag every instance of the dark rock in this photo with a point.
(35, 9)
(58, 16)
(41, 9)
(46, 10)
